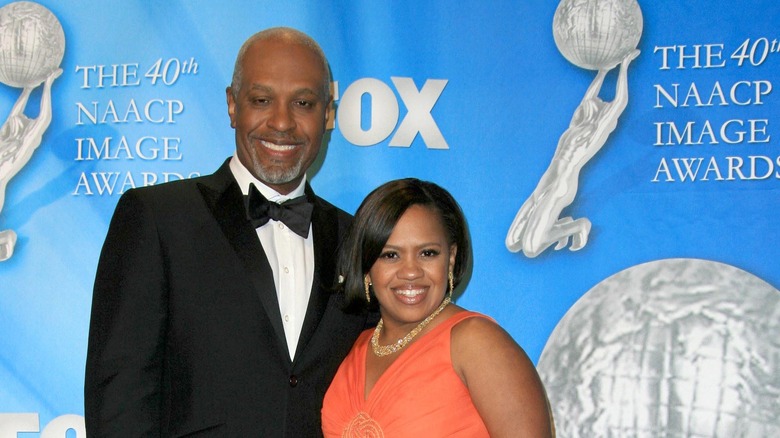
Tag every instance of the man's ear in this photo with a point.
(231, 105)
(330, 110)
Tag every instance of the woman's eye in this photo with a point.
(388, 255)
(430, 253)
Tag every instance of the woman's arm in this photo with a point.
(501, 379)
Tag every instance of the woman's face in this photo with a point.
(410, 276)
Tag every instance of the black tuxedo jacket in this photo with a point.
(186, 336)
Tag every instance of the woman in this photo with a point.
(430, 368)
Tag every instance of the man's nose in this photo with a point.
(281, 118)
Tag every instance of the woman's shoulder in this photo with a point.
(468, 324)
(477, 337)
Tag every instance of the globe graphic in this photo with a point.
(32, 44)
(671, 348)
(597, 34)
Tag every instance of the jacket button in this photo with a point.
(293, 381)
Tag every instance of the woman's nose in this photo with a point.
(410, 270)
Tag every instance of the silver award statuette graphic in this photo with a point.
(32, 44)
(595, 35)
(670, 348)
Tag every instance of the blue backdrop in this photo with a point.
(142, 76)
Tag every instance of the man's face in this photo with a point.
(279, 113)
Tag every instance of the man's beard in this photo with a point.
(276, 174)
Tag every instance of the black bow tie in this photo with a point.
(295, 213)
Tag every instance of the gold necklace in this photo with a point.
(384, 350)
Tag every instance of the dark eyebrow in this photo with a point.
(423, 245)
(262, 88)
(307, 91)
(299, 92)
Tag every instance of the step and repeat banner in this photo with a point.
(618, 162)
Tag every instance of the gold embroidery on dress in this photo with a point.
(363, 426)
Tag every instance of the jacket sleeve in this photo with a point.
(127, 327)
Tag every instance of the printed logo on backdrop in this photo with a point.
(719, 144)
(364, 96)
(672, 348)
(148, 125)
(32, 44)
(384, 112)
(675, 347)
(68, 425)
(596, 35)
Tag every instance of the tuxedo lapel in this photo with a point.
(226, 202)
(326, 240)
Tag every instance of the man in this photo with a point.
(202, 323)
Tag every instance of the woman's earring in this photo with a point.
(452, 283)
(367, 283)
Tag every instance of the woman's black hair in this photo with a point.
(375, 220)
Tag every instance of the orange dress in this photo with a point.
(419, 395)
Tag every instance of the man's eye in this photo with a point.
(305, 103)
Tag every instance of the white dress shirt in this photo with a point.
(291, 257)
